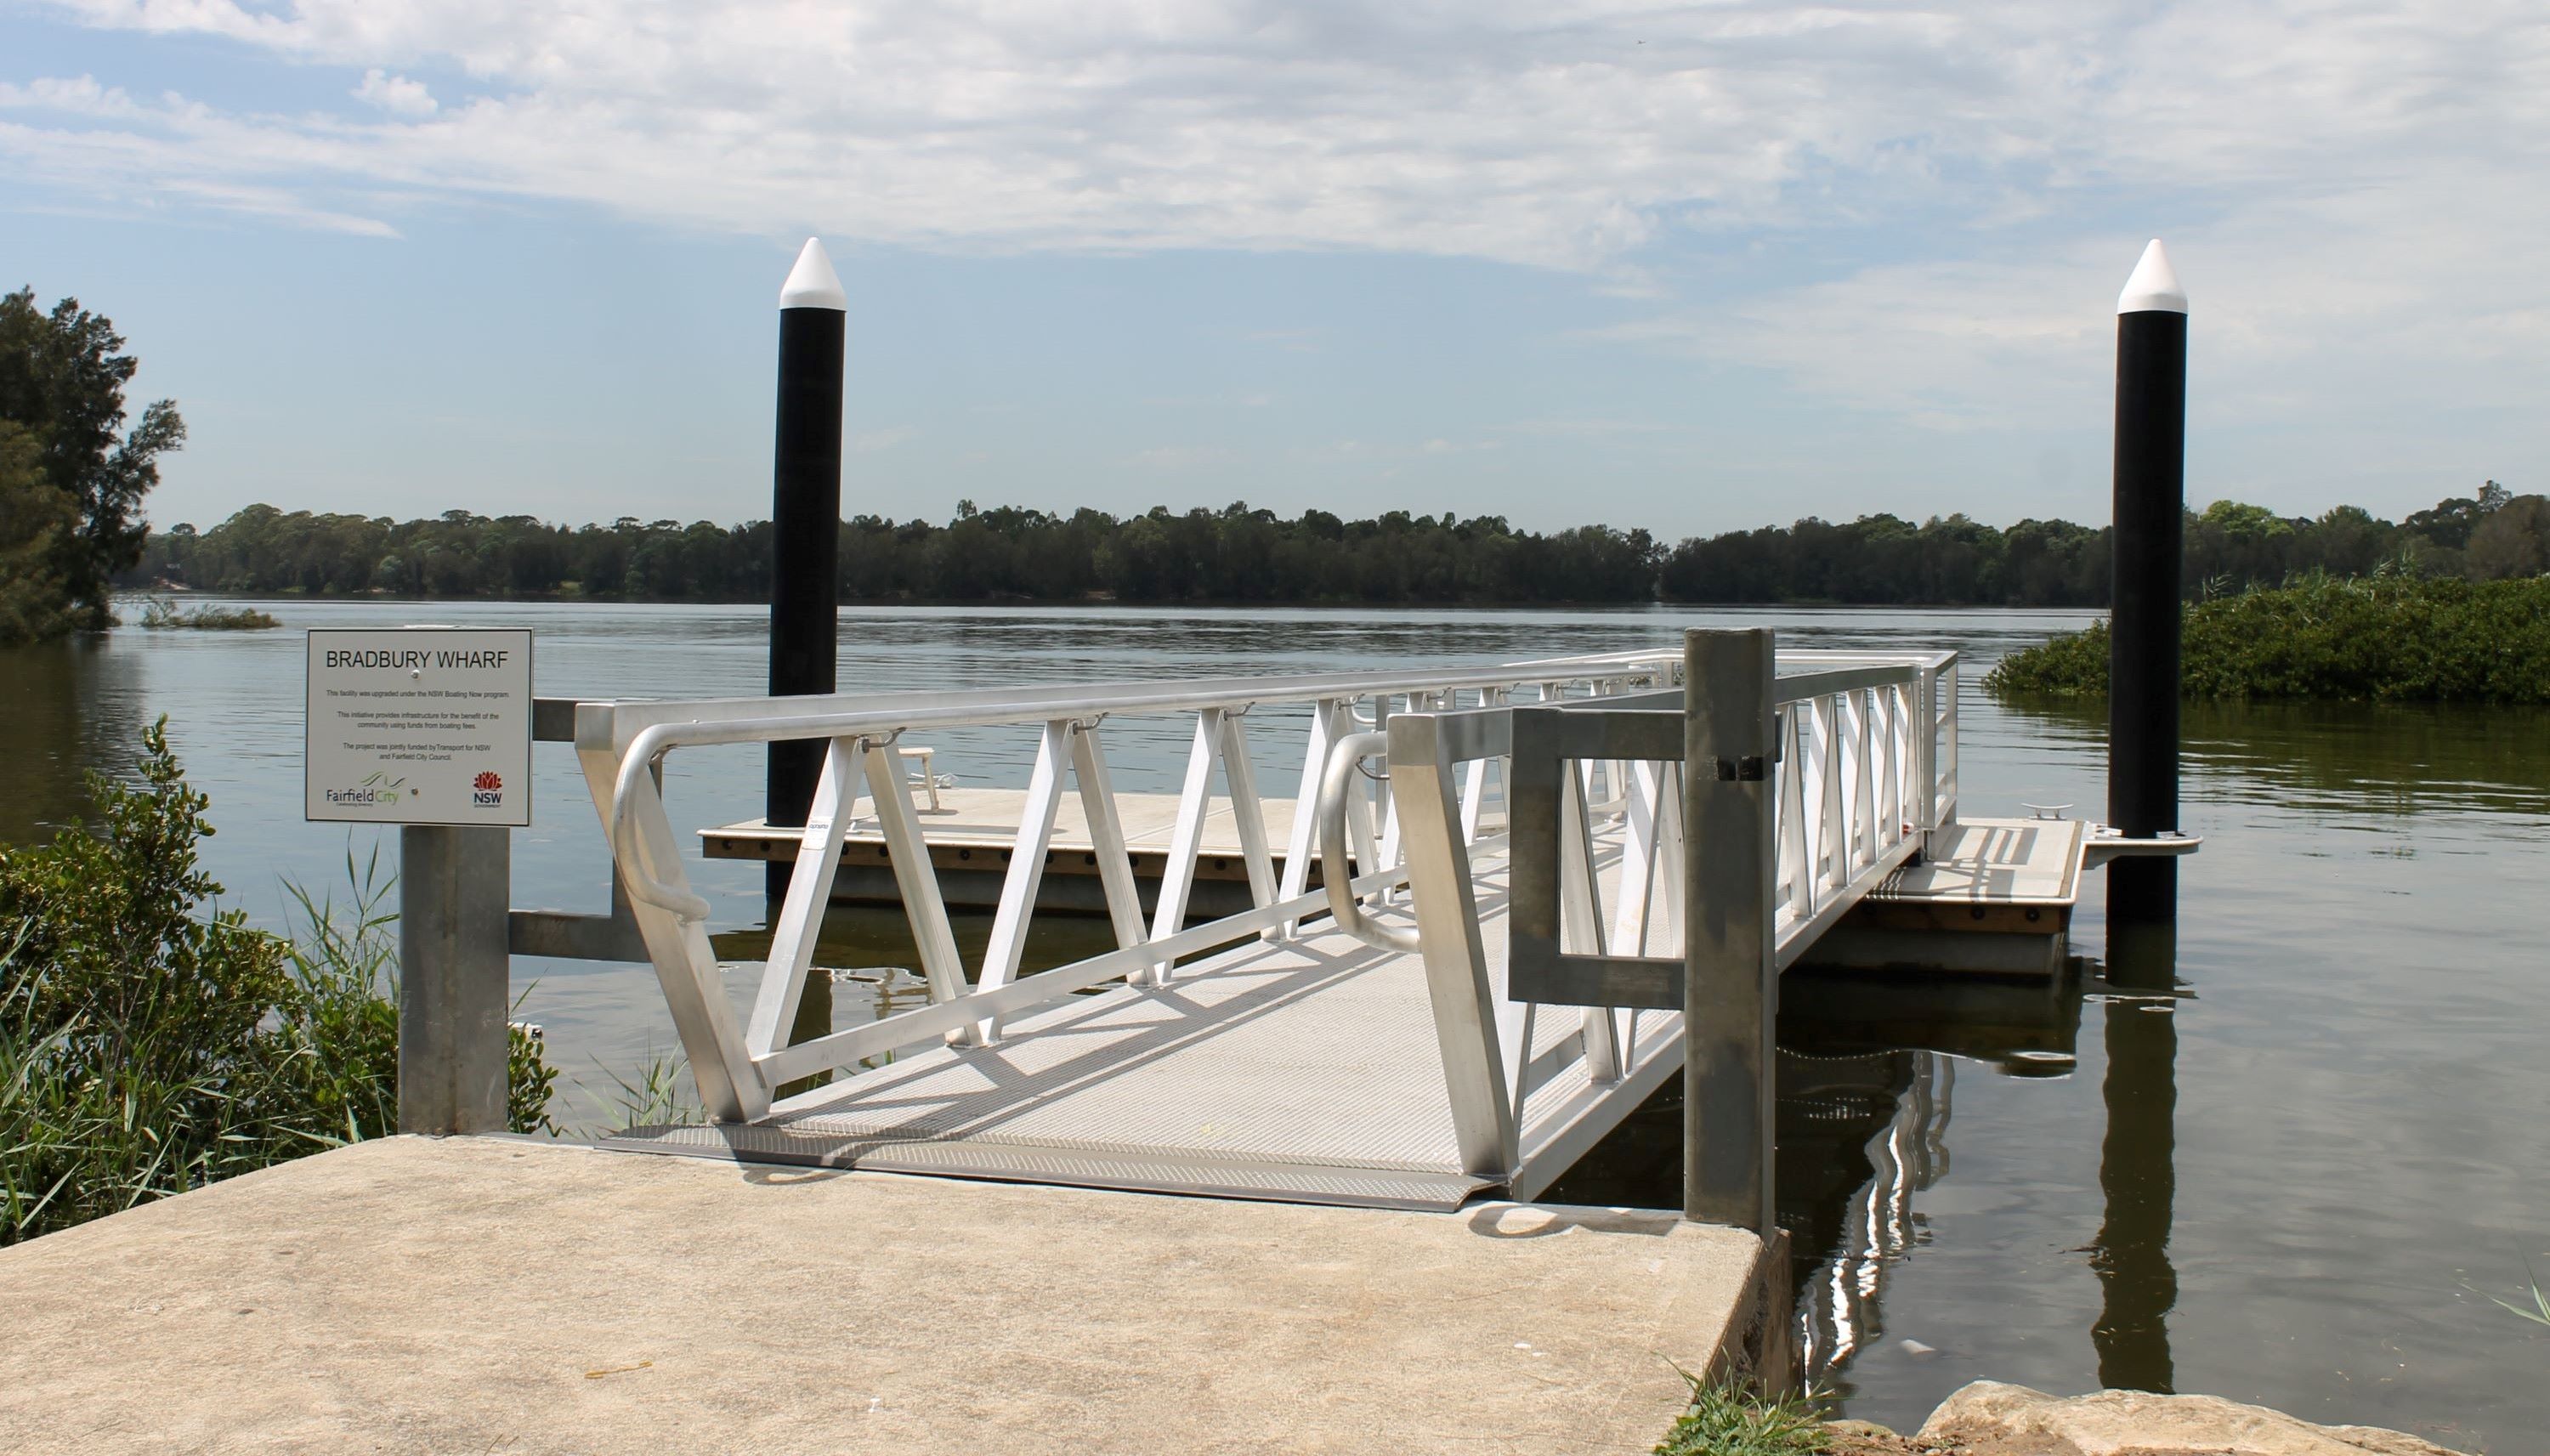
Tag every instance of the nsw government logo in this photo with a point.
(487, 791)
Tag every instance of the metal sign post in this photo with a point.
(429, 729)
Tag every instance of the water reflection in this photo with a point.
(1864, 1129)
(1859, 1135)
(1868, 1072)
(71, 705)
(2137, 1162)
(2385, 758)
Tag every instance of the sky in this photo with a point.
(1688, 268)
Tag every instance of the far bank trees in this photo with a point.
(1241, 554)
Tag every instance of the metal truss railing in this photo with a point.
(1597, 874)
(737, 1065)
(1858, 780)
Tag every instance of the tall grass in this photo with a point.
(152, 1042)
(2539, 1313)
(2391, 636)
(653, 1098)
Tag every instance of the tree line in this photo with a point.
(1235, 554)
(1241, 554)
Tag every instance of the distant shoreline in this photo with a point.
(1224, 603)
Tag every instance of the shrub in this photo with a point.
(160, 613)
(148, 1047)
(2386, 637)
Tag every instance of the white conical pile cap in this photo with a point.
(812, 284)
(2154, 287)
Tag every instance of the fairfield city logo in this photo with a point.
(487, 791)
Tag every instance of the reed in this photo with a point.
(658, 1096)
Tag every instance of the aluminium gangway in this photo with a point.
(1353, 1042)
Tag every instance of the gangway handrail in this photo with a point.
(1344, 760)
(739, 1062)
(1848, 811)
(623, 745)
(711, 722)
(616, 723)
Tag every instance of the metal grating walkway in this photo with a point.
(1303, 1071)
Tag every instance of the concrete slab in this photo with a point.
(500, 1295)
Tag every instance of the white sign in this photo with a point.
(421, 726)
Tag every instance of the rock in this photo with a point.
(1988, 1417)
(1865, 1439)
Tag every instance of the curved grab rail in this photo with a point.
(1335, 782)
(645, 749)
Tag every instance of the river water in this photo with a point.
(2289, 1181)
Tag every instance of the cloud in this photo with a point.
(1562, 135)
(2413, 301)
(396, 94)
(1949, 191)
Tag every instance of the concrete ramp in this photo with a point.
(500, 1295)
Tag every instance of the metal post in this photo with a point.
(453, 887)
(1731, 990)
(806, 555)
(2150, 505)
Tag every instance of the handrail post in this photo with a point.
(1731, 968)
(1486, 1122)
(1946, 813)
(454, 888)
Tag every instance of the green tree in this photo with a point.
(2512, 541)
(34, 517)
(61, 381)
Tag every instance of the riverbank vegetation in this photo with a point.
(1730, 1420)
(2391, 636)
(71, 476)
(152, 1042)
(161, 613)
(1246, 555)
